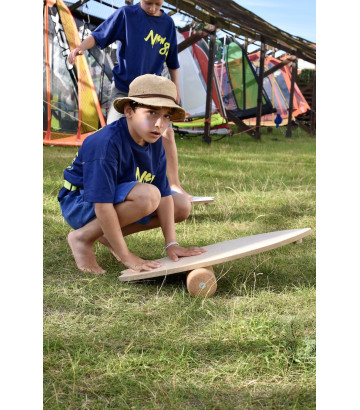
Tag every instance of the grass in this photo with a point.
(150, 345)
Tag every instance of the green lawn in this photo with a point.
(150, 345)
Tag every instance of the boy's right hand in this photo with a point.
(73, 54)
(137, 264)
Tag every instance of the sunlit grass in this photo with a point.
(109, 344)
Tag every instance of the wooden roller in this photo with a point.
(201, 282)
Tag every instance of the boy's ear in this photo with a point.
(128, 110)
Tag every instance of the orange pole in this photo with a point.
(47, 65)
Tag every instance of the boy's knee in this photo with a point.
(182, 207)
(147, 196)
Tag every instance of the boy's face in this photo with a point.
(146, 124)
(152, 7)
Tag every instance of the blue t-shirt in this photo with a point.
(145, 43)
(110, 157)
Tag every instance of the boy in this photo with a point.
(117, 183)
(146, 38)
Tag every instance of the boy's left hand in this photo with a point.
(175, 251)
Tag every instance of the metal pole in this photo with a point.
(291, 98)
(209, 88)
(260, 90)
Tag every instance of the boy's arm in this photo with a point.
(165, 214)
(174, 75)
(88, 43)
(106, 33)
(109, 223)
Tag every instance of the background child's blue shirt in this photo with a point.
(110, 157)
(145, 43)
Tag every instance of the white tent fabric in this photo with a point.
(191, 84)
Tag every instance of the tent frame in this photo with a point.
(241, 21)
(228, 15)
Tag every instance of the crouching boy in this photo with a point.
(117, 183)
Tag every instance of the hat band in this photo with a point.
(154, 95)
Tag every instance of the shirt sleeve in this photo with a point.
(100, 181)
(111, 30)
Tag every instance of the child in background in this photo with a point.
(146, 39)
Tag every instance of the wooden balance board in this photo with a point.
(202, 199)
(201, 280)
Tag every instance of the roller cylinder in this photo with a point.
(201, 282)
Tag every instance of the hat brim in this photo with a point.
(178, 114)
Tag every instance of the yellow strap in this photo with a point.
(69, 186)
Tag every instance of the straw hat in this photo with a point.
(153, 90)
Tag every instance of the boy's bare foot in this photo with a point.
(105, 242)
(83, 254)
(177, 188)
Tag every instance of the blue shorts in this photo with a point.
(77, 212)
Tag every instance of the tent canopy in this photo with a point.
(239, 81)
(277, 86)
